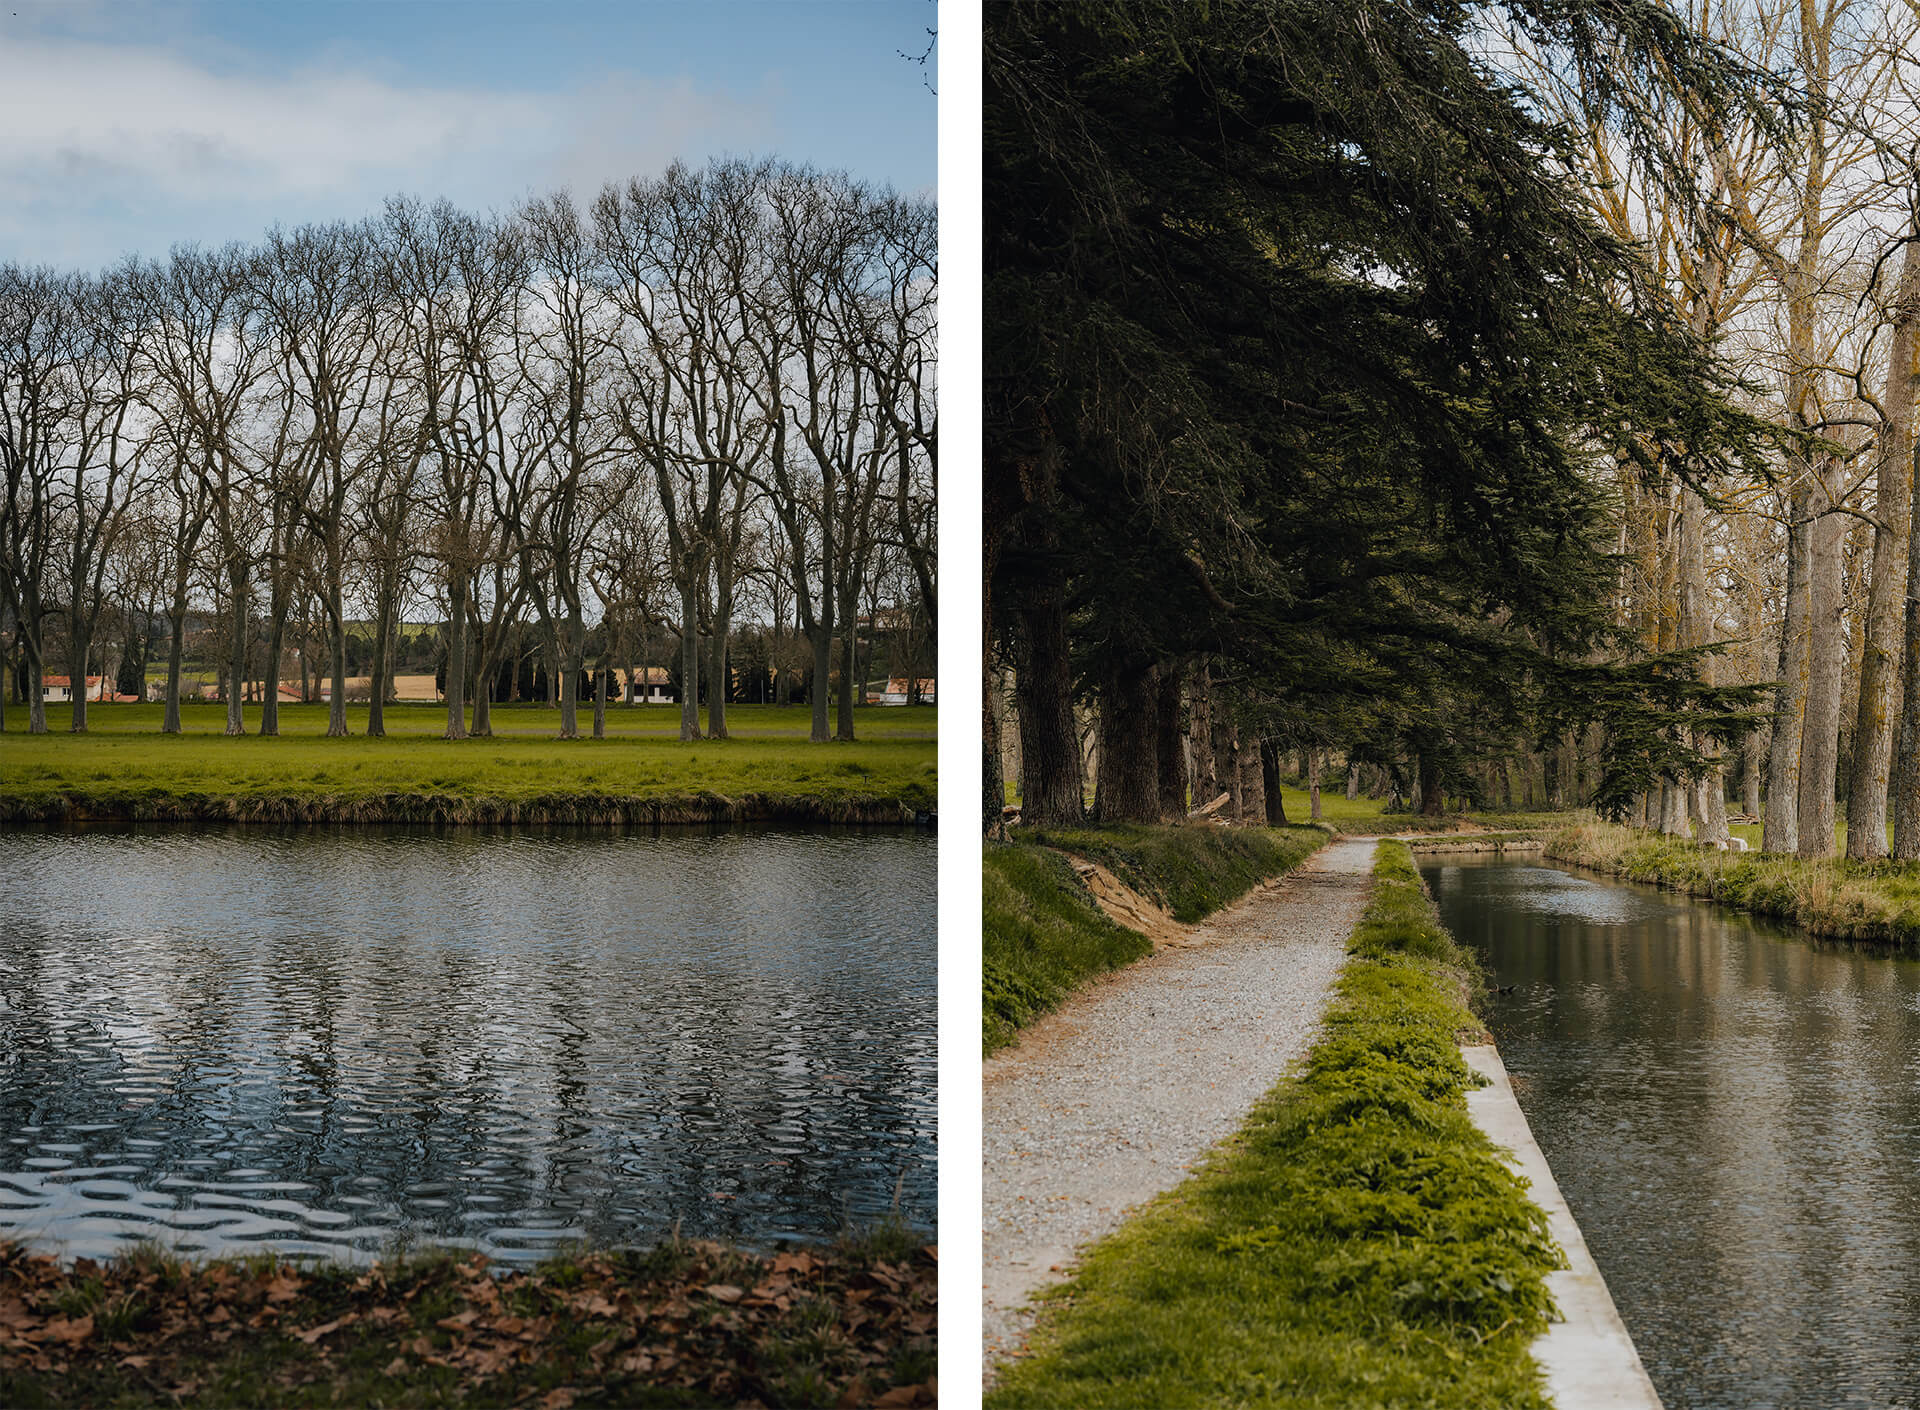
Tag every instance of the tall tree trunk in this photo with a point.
(1313, 783)
(718, 675)
(337, 662)
(1206, 774)
(1820, 736)
(79, 649)
(237, 667)
(1051, 786)
(1253, 784)
(270, 701)
(1782, 831)
(1276, 800)
(849, 671)
(176, 647)
(600, 701)
(690, 663)
(1129, 788)
(1226, 758)
(457, 656)
(1171, 744)
(378, 675)
(571, 646)
(1883, 660)
(1353, 783)
(1433, 802)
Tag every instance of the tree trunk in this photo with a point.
(1253, 784)
(849, 670)
(1129, 788)
(1206, 773)
(237, 660)
(690, 664)
(1270, 784)
(79, 648)
(600, 702)
(1353, 784)
(718, 676)
(1750, 765)
(1432, 802)
(1820, 735)
(270, 702)
(176, 646)
(1313, 784)
(457, 657)
(1171, 742)
(337, 662)
(1051, 786)
(1883, 661)
(1226, 759)
(1782, 832)
(378, 674)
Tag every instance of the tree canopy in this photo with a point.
(1305, 356)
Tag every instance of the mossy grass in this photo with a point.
(1044, 935)
(1358, 1242)
(124, 769)
(1832, 898)
(683, 1324)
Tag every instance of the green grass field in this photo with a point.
(124, 767)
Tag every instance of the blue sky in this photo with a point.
(125, 127)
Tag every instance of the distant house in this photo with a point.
(900, 691)
(647, 685)
(55, 690)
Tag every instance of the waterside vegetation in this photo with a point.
(1833, 898)
(1358, 1242)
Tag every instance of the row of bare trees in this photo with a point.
(619, 423)
(1801, 266)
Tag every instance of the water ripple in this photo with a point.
(326, 1040)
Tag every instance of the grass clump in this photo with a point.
(1044, 935)
(1830, 897)
(1190, 871)
(1358, 1242)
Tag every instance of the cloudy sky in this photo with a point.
(126, 126)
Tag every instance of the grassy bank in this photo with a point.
(686, 1325)
(124, 769)
(1831, 897)
(1358, 1242)
(1044, 934)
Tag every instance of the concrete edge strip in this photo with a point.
(1589, 1360)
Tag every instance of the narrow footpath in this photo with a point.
(1113, 1098)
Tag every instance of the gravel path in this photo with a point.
(1112, 1099)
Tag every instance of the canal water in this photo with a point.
(337, 1041)
(1733, 1114)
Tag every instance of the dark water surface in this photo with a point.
(333, 1040)
(1734, 1116)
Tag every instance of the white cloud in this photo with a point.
(160, 139)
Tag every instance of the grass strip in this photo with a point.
(1830, 897)
(1045, 935)
(690, 1324)
(123, 769)
(1358, 1243)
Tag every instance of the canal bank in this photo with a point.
(1587, 1355)
(1727, 1107)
